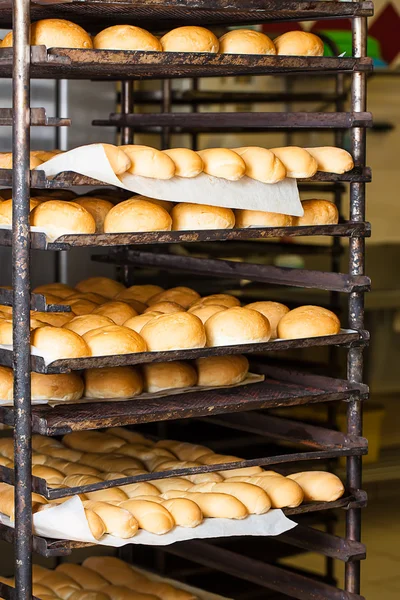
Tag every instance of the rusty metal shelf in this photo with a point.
(163, 14)
(39, 118)
(38, 301)
(281, 387)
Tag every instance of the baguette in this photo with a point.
(212, 505)
(185, 513)
(118, 522)
(262, 164)
(92, 441)
(319, 486)
(90, 580)
(141, 488)
(254, 498)
(280, 490)
(331, 159)
(150, 516)
(173, 483)
(298, 162)
(215, 459)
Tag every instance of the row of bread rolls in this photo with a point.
(60, 33)
(128, 382)
(100, 578)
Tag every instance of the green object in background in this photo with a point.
(344, 43)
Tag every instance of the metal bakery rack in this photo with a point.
(282, 386)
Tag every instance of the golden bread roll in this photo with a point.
(119, 312)
(187, 162)
(118, 159)
(6, 210)
(113, 382)
(6, 386)
(55, 33)
(221, 370)
(167, 376)
(59, 218)
(254, 498)
(273, 311)
(81, 306)
(213, 505)
(280, 490)
(237, 326)
(46, 155)
(206, 311)
(261, 163)
(104, 286)
(90, 579)
(89, 441)
(246, 41)
(181, 295)
(225, 300)
(118, 522)
(260, 218)
(308, 321)
(215, 459)
(133, 437)
(178, 331)
(50, 474)
(165, 204)
(184, 450)
(163, 308)
(299, 163)
(135, 216)
(150, 516)
(185, 513)
(61, 584)
(113, 464)
(63, 453)
(38, 572)
(53, 318)
(172, 483)
(71, 468)
(190, 39)
(5, 462)
(58, 343)
(111, 340)
(223, 163)
(149, 162)
(204, 478)
(143, 488)
(113, 495)
(144, 453)
(7, 500)
(137, 323)
(6, 333)
(141, 293)
(186, 217)
(6, 161)
(85, 323)
(318, 212)
(126, 37)
(98, 208)
(115, 570)
(42, 591)
(299, 43)
(88, 595)
(39, 442)
(63, 387)
(319, 486)
(116, 592)
(95, 298)
(161, 463)
(332, 160)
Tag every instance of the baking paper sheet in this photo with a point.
(67, 521)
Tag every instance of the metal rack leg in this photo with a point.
(21, 300)
(166, 108)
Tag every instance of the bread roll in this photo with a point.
(261, 164)
(118, 312)
(190, 39)
(98, 208)
(59, 343)
(59, 218)
(184, 450)
(133, 437)
(332, 160)
(160, 463)
(137, 323)
(165, 204)
(89, 441)
(308, 321)
(116, 592)
(318, 212)
(6, 161)
(89, 579)
(53, 318)
(237, 326)
(50, 474)
(85, 323)
(206, 311)
(299, 43)
(6, 332)
(63, 453)
(254, 498)
(113, 495)
(185, 512)
(46, 155)
(222, 506)
(143, 488)
(172, 483)
(246, 41)
(58, 289)
(38, 573)
(114, 463)
(95, 298)
(149, 162)
(167, 376)
(126, 37)
(281, 493)
(101, 285)
(150, 516)
(71, 468)
(163, 308)
(42, 591)
(215, 459)
(137, 215)
(7, 500)
(113, 382)
(298, 162)
(6, 385)
(55, 33)
(319, 486)
(5, 462)
(178, 331)
(88, 595)
(187, 162)
(181, 295)
(273, 311)
(40, 442)
(81, 306)
(260, 218)
(66, 387)
(118, 522)
(114, 570)
(225, 300)
(60, 583)
(221, 370)
(111, 340)
(142, 293)
(223, 163)
(186, 217)
(6, 210)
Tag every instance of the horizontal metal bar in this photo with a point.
(38, 118)
(324, 543)
(303, 278)
(38, 302)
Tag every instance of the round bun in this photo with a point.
(57, 343)
(261, 164)
(149, 162)
(221, 370)
(98, 208)
(137, 215)
(6, 157)
(299, 43)
(137, 323)
(59, 218)
(55, 33)
(224, 163)
(181, 295)
(6, 384)
(178, 331)
(85, 323)
(81, 306)
(257, 218)
(308, 321)
(186, 217)
(141, 293)
(6, 210)
(225, 300)
(246, 41)
(273, 311)
(298, 162)
(66, 387)
(101, 285)
(190, 39)
(332, 160)
(126, 37)
(168, 376)
(58, 289)
(187, 162)
(6, 332)
(53, 318)
(164, 308)
(119, 312)
(206, 311)
(165, 204)
(113, 382)
(114, 339)
(237, 326)
(318, 212)
(91, 296)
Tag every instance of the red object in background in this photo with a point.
(386, 29)
(333, 24)
(279, 28)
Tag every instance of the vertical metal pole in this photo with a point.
(126, 109)
(195, 108)
(356, 299)
(61, 258)
(166, 108)
(21, 299)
